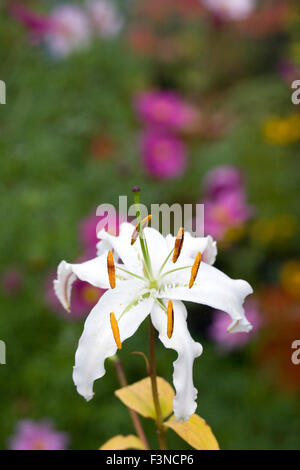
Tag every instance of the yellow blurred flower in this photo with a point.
(282, 131)
(290, 278)
(274, 230)
(233, 235)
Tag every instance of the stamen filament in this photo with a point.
(111, 269)
(195, 269)
(131, 274)
(161, 304)
(115, 330)
(166, 260)
(176, 269)
(170, 320)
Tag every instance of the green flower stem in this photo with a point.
(134, 417)
(152, 372)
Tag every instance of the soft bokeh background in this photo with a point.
(73, 137)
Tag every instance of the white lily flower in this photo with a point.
(150, 278)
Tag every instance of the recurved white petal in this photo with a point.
(187, 349)
(131, 306)
(213, 288)
(93, 271)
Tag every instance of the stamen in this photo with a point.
(115, 330)
(139, 228)
(111, 269)
(178, 244)
(170, 321)
(195, 269)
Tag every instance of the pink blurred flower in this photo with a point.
(91, 225)
(222, 180)
(230, 10)
(288, 71)
(227, 212)
(163, 154)
(71, 30)
(34, 435)
(37, 24)
(227, 341)
(104, 17)
(165, 109)
(84, 298)
(11, 280)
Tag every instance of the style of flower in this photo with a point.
(71, 31)
(230, 10)
(104, 18)
(163, 154)
(147, 274)
(34, 435)
(165, 110)
(225, 342)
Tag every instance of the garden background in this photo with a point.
(75, 133)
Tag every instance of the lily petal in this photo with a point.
(187, 349)
(93, 271)
(213, 288)
(97, 341)
(129, 254)
(192, 245)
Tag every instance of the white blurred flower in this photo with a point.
(105, 18)
(71, 30)
(230, 9)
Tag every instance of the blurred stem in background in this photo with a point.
(135, 419)
(152, 372)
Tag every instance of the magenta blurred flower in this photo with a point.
(163, 154)
(226, 341)
(288, 71)
(165, 109)
(104, 17)
(71, 30)
(91, 225)
(230, 10)
(84, 299)
(222, 180)
(37, 24)
(34, 435)
(227, 212)
(11, 280)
